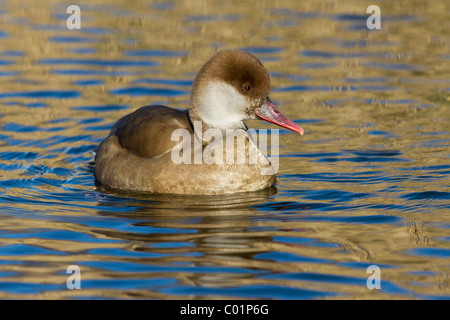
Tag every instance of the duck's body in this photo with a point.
(141, 153)
(137, 156)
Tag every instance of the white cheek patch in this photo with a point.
(222, 106)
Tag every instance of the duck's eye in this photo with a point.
(247, 87)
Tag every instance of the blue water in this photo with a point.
(368, 183)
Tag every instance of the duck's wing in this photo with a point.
(147, 132)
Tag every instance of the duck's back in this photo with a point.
(147, 132)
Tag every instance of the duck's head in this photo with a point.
(231, 87)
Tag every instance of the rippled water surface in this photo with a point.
(368, 183)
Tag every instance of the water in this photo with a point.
(368, 183)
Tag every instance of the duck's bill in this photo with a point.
(269, 112)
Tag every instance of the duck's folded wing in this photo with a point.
(147, 132)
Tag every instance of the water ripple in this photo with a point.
(42, 94)
(100, 62)
(366, 185)
(144, 91)
(105, 108)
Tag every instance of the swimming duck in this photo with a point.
(143, 151)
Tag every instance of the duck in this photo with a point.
(161, 150)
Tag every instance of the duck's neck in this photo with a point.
(218, 106)
(194, 118)
(205, 131)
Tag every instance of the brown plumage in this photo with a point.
(137, 154)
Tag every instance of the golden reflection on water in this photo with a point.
(394, 80)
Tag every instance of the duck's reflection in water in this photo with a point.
(204, 240)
